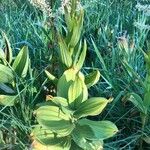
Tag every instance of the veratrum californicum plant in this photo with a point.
(62, 123)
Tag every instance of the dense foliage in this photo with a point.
(51, 58)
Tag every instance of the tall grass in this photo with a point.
(107, 23)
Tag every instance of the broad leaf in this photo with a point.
(91, 107)
(60, 101)
(48, 140)
(21, 62)
(85, 144)
(77, 92)
(64, 82)
(6, 74)
(52, 118)
(137, 101)
(92, 78)
(8, 100)
(100, 129)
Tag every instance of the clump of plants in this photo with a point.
(11, 71)
(62, 121)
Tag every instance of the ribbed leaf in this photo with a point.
(52, 118)
(91, 107)
(64, 83)
(48, 140)
(8, 100)
(6, 74)
(76, 30)
(68, 19)
(21, 62)
(101, 129)
(82, 57)
(85, 144)
(137, 101)
(64, 52)
(8, 49)
(92, 78)
(60, 101)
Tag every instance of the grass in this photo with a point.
(105, 22)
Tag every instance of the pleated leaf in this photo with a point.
(99, 129)
(21, 62)
(92, 78)
(46, 140)
(6, 74)
(8, 100)
(91, 107)
(64, 83)
(52, 118)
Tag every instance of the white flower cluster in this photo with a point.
(142, 26)
(43, 5)
(144, 8)
(67, 3)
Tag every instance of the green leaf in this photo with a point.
(8, 100)
(64, 82)
(6, 74)
(21, 62)
(91, 107)
(147, 139)
(92, 78)
(137, 101)
(52, 118)
(82, 57)
(48, 138)
(77, 91)
(51, 77)
(60, 101)
(76, 30)
(6, 89)
(74, 146)
(8, 49)
(68, 19)
(146, 101)
(64, 52)
(101, 129)
(82, 142)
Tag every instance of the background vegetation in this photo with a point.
(116, 33)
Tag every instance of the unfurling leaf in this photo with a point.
(21, 62)
(8, 49)
(82, 57)
(137, 101)
(92, 78)
(64, 52)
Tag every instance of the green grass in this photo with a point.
(105, 21)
